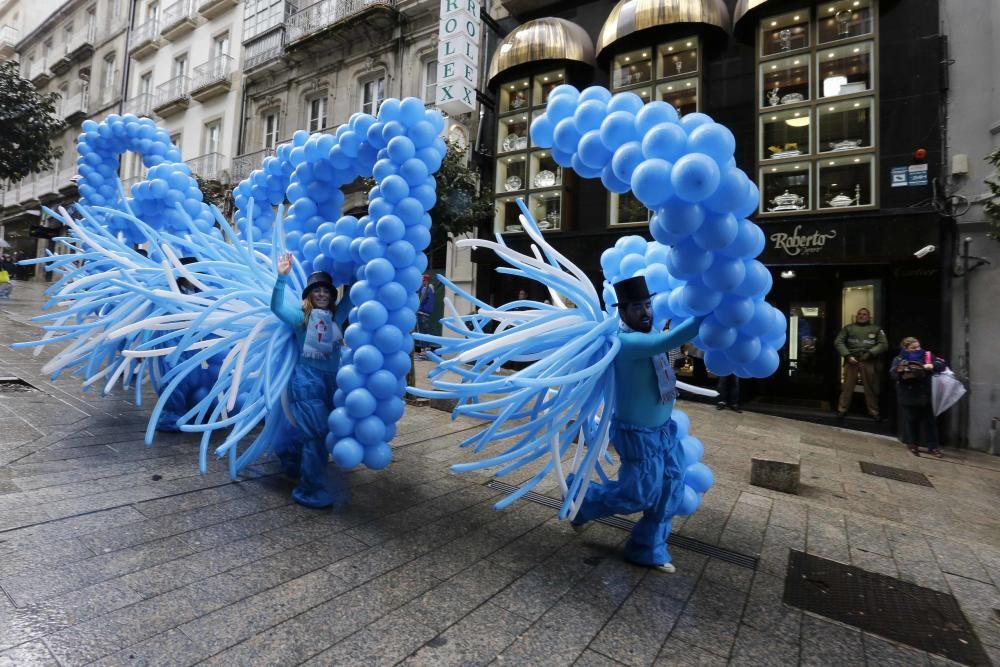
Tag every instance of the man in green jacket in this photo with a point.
(860, 345)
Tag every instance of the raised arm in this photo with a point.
(343, 308)
(639, 345)
(287, 313)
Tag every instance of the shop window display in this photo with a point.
(627, 210)
(784, 81)
(843, 20)
(632, 68)
(846, 125)
(788, 32)
(846, 181)
(785, 134)
(845, 69)
(786, 188)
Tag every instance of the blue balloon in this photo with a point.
(683, 422)
(757, 282)
(687, 260)
(699, 477)
(377, 456)
(348, 453)
(592, 150)
(693, 120)
(725, 273)
(382, 383)
(762, 321)
(582, 170)
(714, 335)
(658, 278)
(625, 160)
(681, 218)
(732, 190)
(653, 114)
(744, 350)
(714, 140)
(717, 362)
(349, 379)
(360, 403)
(695, 177)
(698, 298)
(765, 364)
(589, 115)
(734, 310)
(689, 503)
(372, 315)
(651, 182)
(717, 232)
(369, 431)
(560, 108)
(665, 142)
(542, 131)
(744, 243)
(632, 264)
(612, 182)
(598, 93)
(627, 102)
(611, 260)
(618, 129)
(566, 137)
(387, 338)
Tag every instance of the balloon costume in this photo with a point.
(592, 382)
(120, 311)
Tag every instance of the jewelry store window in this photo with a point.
(669, 72)
(522, 170)
(817, 98)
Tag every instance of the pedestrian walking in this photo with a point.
(913, 370)
(729, 393)
(424, 311)
(860, 344)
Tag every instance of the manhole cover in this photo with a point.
(898, 610)
(15, 385)
(898, 474)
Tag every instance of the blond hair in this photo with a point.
(909, 340)
(307, 309)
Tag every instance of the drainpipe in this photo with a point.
(128, 60)
(994, 443)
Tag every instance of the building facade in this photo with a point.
(973, 131)
(835, 106)
(185, 75)
(18, 18)
(78, 51)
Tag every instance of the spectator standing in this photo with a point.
(424, 311)
(729, 393)
(860, 344)
(913, 370)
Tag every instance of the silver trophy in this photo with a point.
(785, 36)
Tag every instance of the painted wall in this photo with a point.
(974, 130)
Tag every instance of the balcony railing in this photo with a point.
(175, 15)
(36, 69)
(264, 49)
(208, 166)
(8, 39)
(66, 177)
(215, 70)
(82, 40)
(76, 104)
(173, 90)
(325, 13)
(140, 105)
(112, 28)
(244, 164)
(45, 183)
(144, 34)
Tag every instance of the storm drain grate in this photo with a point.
(674, 540)
(898, 474)
(15, 385)
(898, 610)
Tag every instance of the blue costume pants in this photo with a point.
(183, 397)
(310, 401)
(650, 480)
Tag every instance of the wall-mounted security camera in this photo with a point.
(923, 252)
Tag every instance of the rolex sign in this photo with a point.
(458, 56)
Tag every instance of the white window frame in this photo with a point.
(371, 107)
(316, 112)
(179, 66)
(270, 126)
(212, 144)
(220, 38)
(430, 77)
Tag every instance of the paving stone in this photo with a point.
(729, 575)
(475, 640)
(756, 648)
(170, 649)
(765, 610)
(447, 603)
(591, 658)
(678, 653)
(884, 653)
(387, 641)
(540, 588)
(956, 558)
(873, 562)
(711, 617)
(34, 653)
(827, 643)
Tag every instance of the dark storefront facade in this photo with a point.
(829, 101)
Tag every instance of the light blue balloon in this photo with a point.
(689, 503)
(377, 456)
(665, 142)
(714, 140)
(715, 335)
(725, 273)
(360, 403)
(566, 137)
(625, 160)
(654, 114)
(717, 232)
(699, 477)
(348, 453)
(611, 182)
(651, 182)
(744, 350)
(592, 150)
(541, 131)
(618, 129)
(589, 115)
(695, 177)
(734, 310)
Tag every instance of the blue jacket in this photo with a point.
(426, 293)
(294, 316)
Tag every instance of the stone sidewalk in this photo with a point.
(112, 553)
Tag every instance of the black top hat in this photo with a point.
(316, 279)
(188, 260)
(632, 290)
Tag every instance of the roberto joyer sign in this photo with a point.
(458, 56)
(797, 242)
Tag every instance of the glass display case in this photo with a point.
(785, 134)
(846, 125)
(627, 210)
(632, 68)
(513, 134)
(512, 173)
(507, 213)
(844, 70)
(786, 188)
(547, 209)
(846, 181)
(843, 20)
(677, 58)
(784, 81)
(681, 94)
(515, 96)
(788, 32)
(545, 173)
(544, 83)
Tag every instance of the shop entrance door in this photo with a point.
(808, 344)
(855, 295)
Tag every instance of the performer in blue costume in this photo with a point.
(313, 382)
(651, 476)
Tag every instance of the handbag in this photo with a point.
(4, 276)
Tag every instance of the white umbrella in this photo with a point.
(3, 243)
(946, 390)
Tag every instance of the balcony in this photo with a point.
(244, 164)
(332, 18)
(82, 45)
(8, 39)
(209, 167)
(107, 96)
(178, 20)
(46, 184)
(66, 177)
(212, 78)
(172, 96)
(145, 39)
(212, 8)
(113, 27)
(264, 53)
(140, 105)
(75, 107)
(38, 73)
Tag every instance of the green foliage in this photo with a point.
(461, 205)
(215, 193)
(28, 124)
(992, 205)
